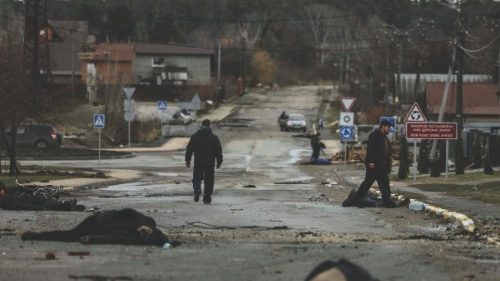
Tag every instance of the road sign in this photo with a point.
(129, 92)
(415, 114)
(347, 119)
(346, 133)
(347, 102)
(161, 105)
(99, 121)
(392, 120)
(129, 116)
(432, 130)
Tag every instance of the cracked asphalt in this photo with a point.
(271, 218)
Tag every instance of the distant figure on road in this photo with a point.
(282, 119)
(316, 146)
(378, 167)
(207, 151)
(321, 124)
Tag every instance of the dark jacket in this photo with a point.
(379, 152)
(206, 148)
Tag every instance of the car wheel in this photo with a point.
(304, 130)
(42, 144)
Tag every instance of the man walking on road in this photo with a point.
(378, 167)
(207, 151)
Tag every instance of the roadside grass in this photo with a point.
(488, 192)
(411, 195)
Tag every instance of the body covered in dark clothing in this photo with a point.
(25, 198)
(125, 226)
(207, 152)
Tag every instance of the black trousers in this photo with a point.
(205, 174)
(382, 179)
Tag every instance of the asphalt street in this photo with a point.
(271, 218)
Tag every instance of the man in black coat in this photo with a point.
(316, 146)
(378, 167)
(207, 151)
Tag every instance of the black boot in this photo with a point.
(196, 197)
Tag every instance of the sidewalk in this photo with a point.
(173, 144)
(112, 176)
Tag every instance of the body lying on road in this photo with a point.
(28, 199)
(126, 226)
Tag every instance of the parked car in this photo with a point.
(295, 121)
(39, 136)
(182, 117)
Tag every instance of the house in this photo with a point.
(66, 41)
(160, 64)
(408, 81)
(481, 111)
(481, 104)
(157, 71)
(111, 63)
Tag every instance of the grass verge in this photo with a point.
(488, 192)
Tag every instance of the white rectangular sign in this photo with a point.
(347, 119)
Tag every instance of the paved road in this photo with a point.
(273, 231)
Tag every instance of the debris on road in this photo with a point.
(321, 198)
(78, 253)
(50, 256)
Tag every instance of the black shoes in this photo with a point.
(196, 197)
(207, 199)
(390, 204)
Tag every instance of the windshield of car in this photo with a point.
(296, 117)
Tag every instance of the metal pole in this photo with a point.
(397, 95)
(218, 63)
(414, 160)
(99, 161)
(128, 133)
(345, 154)
(447, 156)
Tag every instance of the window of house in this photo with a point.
(158, 62)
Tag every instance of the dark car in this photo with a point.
(40, 136)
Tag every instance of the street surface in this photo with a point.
(270, 219)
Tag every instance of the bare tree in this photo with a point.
(317, 17)
(18, 100)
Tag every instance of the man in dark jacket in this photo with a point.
(316, 146)
(378, 167)
(207, 151)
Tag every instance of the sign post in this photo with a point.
(129, 108)
(99, 124)
(433, 131)
(414, 116)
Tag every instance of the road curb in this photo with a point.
(126, 156)
(466, 223)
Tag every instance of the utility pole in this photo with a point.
(459, 154)
(397, 93)
(386, 94)
(36, 43)
(244, 62)
(498, 75)
(218, 63)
